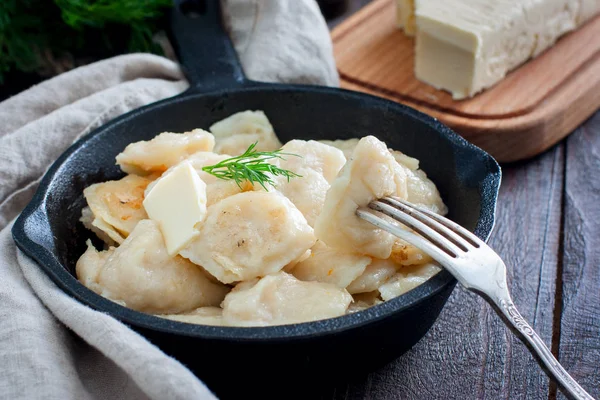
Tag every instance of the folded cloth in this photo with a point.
(51, 346)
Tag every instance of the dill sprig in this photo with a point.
(252, 166)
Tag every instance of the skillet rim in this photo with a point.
(488, 188)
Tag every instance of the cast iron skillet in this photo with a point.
(468, 178)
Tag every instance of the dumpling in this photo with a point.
(237, 132)
(140, 275)
(324, 159)
(346, 146)
(406, 254)
(89, 265)
(105, 232)
(422, 191)
(407, 278)
(244, 122)
(116, 206)
(331, 266)
(371, 173)
(163, 151)
(405, 160)
(290, 266)
(200, 316)
(363, 301)
(376, 274)
(281, 299)
(317, 164)
(249, 235)
(306, 192)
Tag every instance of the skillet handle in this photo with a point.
(203, 46)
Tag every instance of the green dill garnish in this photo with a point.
(50, 36)
(252, 166)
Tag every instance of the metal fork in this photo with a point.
(474, 264)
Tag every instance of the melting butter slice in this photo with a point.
(177, 202)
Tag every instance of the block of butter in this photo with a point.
(465, 46)
(177, 202)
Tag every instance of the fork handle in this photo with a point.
(506, 309)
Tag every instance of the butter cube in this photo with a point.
(465, 46)
(177, 202)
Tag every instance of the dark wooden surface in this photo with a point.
(548, 233)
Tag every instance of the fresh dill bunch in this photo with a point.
(252, 166)
(51, 35)
(100, 14)
(22, 32)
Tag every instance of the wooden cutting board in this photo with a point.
(534, 107)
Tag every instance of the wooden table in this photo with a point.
(547, 230)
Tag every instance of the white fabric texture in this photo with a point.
(51, 346)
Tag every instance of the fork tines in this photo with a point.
(439, 236)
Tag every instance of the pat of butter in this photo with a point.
(177, 202)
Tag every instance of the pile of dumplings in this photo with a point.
(292, 254)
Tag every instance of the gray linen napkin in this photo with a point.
(51, 346)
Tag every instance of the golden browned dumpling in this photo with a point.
(406, 254)
(105, 232)
(115, 206)
(141, 275)
(163, 151)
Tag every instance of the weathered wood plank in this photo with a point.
(580, 319)
(469, 353)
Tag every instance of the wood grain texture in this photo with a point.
(369, 48)
(580, 317)
(469, 353)
(554, 277)
(530, 110)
